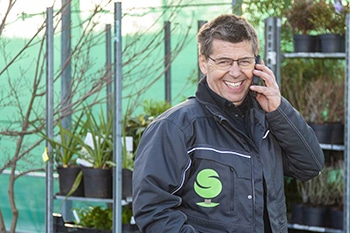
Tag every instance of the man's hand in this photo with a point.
(268, 96)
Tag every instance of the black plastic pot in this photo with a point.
(315, 216)
(58, 224)
(297, 213)
(97, 182)
(332, 43)
(329, 133)
(127, 183)
(305, 43)
(66, 179)
(323, 132)
(337, 133)
(336, 218)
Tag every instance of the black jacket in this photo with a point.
(196, 172)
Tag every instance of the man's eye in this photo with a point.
(245, 62)
(224, 62)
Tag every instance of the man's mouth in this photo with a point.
(234, 84)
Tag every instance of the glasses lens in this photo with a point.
(223, 63)
(226, 63)
(246, 63)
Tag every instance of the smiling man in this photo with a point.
(216, 162)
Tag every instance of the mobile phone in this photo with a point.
(256, 79)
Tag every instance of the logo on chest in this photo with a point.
(207, 186)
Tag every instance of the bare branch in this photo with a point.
(8, 10)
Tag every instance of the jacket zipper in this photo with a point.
(222, 119)
(253, 192)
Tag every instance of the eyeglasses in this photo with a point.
(226, 63)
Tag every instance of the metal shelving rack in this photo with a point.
(116, 201)
(273, 59)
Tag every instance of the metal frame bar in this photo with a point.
(49, 116)
(347, 132)
(109, 67)
(117, 127)
(167, 60)
(272, 56)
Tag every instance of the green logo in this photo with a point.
(208, 186)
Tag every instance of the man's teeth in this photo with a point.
(234, 84)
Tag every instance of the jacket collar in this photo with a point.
(207, 96)
(216, 104)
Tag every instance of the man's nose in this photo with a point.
(235, 70)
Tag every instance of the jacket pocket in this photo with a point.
(230, 171)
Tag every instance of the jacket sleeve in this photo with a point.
(160, 165)
(303, 157)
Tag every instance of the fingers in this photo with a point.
(269, 96)
(265, 74)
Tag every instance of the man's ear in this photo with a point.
(203, 65)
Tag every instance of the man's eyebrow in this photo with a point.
(234, 59)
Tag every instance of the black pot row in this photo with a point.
(95, 183)
(320, 216)
(329, 133)
(324, 43)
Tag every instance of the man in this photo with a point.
(216, 162)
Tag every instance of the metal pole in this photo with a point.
(66, 105)
(347, 133)
(117, 150)
(272, 57)
(108, 68)
(167, 62)
(66, 79)
(200, 23)
(49, 117)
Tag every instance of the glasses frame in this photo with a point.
(233, 60)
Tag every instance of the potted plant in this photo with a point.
(98, 219)
(329, 22)
(316, 89)
(322, 197)
(97, 154)
(315, 199)
(66, 149)
(97, 147)
(93, 219)
(324, 109)
(299, 21)
(336, 195)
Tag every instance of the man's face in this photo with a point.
(233, 83)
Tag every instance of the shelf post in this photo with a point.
(109, 68)
(272, 57)
(167, 60)
(346, 131)
(49, 116)
(117, 123)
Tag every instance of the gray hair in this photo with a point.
(230, 28)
